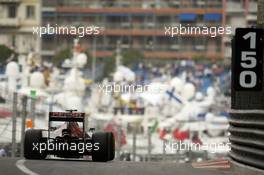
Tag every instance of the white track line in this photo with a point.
(20, 165)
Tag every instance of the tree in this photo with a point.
(60, 56)
(129, 57)
(89, 59)
(132, 56)
(109, 66)
(5, 53)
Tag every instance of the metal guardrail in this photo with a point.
(10, 1)
(141, 4)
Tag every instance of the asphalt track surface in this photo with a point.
(9, 166)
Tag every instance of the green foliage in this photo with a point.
(5, 53)
(89, 59)
(60, 56)
(128, 57)
(132, 56)
(109, 66)
(199, 58)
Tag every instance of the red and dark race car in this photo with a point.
(68, 139)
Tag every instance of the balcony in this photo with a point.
(144, 4)
(175, 47)
(168, 54)
(181, 55)
(10, 22)
(253, 7)
(234, 7)
(199, 47)
(134, 10)
(9, 1)
(251, 17)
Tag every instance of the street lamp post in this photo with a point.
(118, 54)
(94, 59)
(14, 116)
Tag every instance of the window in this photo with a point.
(12, 10)
(13, 40)
(30, 13)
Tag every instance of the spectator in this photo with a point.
(3, 152)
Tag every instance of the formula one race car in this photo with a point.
(68, 139)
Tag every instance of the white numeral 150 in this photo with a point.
(249, 61)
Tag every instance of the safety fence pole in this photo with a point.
(23, 121)
(14, 118)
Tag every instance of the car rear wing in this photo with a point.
(67, 116)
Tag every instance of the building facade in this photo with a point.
(239, 13)
(139, 24)
(17, 17)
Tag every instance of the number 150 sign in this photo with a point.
(247, 59)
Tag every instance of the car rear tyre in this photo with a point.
(105, 150)
(34, 137)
